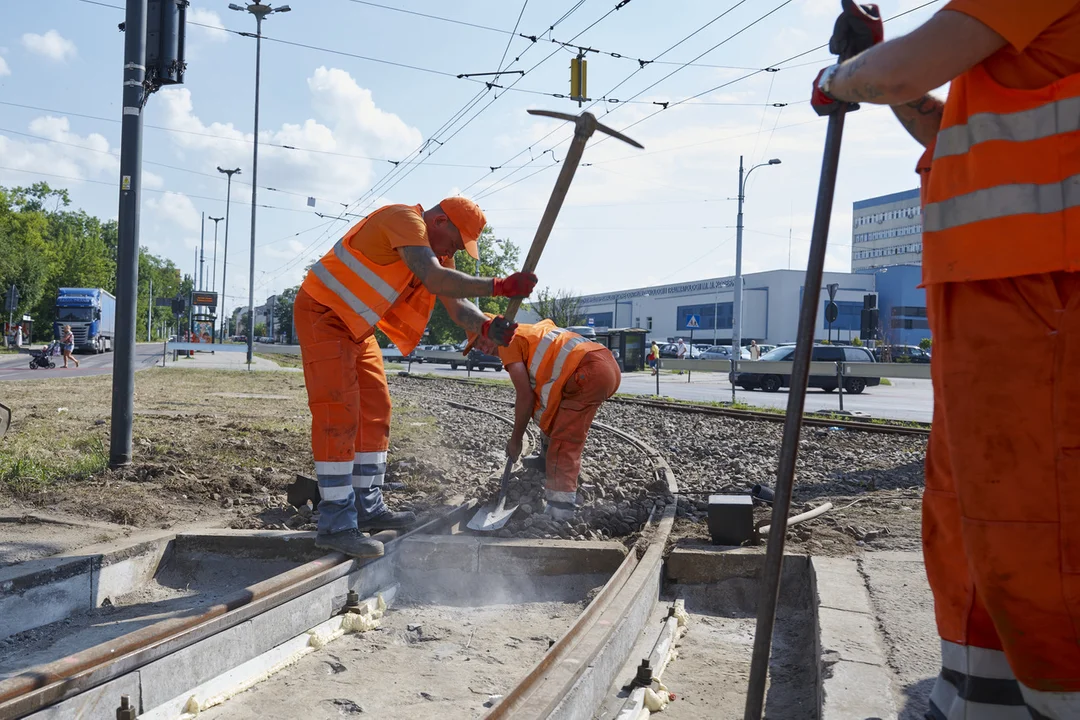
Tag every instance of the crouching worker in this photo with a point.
(561, 379)
(386, 272)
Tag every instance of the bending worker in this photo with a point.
(1001, 255)
(386, 272)
(560, 380)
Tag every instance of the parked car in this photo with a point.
(723, 352)
(902, 353)
(766, 348)
(671, 350)
(821, 353)
(583, 330)
(478, 361)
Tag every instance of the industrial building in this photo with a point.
(771, 302)
(886, 231)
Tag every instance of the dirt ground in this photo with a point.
(425, 662)
(220, 447)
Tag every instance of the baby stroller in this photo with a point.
(41, 359)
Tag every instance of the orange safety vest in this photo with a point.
(1004, 192)
(366, 295)
(554, 355)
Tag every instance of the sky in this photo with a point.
(361, 105)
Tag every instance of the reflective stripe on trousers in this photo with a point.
(978, 684)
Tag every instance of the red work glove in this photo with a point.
(517, 285)
(857, 29)
(824, 103)
(497, 330)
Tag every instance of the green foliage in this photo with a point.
(283, 312)
(563, 307)
(856, 341)
(926, 343)
(260, 329)
(498, 258)
(45, 246)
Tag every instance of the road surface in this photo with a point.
(17, 367)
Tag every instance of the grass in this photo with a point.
(31, 462)
(282, 359)
(886, 381)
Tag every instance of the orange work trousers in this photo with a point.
(1001, 512)
(595, 379)
(350, 413)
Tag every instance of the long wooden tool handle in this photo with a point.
(789, 447)
(551, 213)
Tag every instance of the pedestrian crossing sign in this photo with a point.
(693, 322)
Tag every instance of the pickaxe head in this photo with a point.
(586, 124)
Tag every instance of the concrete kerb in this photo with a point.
(852, 658)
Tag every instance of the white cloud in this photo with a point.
(204, 17)
(51, 45)
(90, 159)
(4, 68)
(174, 209)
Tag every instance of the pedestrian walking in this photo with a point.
(999, 222)
(654, 353)
(680, 351)
(755, 351)
(18, 338)
(67, 346)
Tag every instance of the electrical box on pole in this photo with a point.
(165, 24)
(578, 75)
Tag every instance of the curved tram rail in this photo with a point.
(571, 680)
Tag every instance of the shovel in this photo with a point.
(495, 514)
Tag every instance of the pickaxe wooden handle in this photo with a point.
(585, 125)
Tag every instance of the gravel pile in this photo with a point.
(463, 454)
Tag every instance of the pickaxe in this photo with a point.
(494, 515)
(585, 125)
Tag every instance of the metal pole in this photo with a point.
(225, 254)
(789, 449)
(254, 193)
(213, 275)
(202, 252)
(150, 311)
(127, 255)
(736, 309)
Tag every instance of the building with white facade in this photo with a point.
(886, 230)
(771, 302)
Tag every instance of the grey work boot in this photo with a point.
(351, 542)
(534, 462)
(388, 520)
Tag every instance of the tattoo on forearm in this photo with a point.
(866, 92)
(921, 118)
(926, 105)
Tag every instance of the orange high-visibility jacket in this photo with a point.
(366, 295)
(1004, 193)
(553, 356)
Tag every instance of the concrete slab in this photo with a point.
(99, 702)
(251, 543)
(52, 590)
(855, 691)
(440, 552)
(713, 564)
(840, 586)
(549, 557)
(851, 636)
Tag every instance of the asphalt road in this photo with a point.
(17, 367)
(905, 399)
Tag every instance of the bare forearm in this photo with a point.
(455, 284)
(921, 118)
(523, 409)
(464, 314)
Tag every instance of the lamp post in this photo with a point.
(736, 319)
(225, 259)
(213, 276)
(260, 11)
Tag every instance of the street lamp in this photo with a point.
(225, 260)
(213, 277)
(260, 11)
(736, 317)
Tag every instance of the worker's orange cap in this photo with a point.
(468, 218)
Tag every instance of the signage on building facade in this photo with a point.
(683, 289)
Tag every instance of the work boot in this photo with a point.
(536, 461)
(351, 542)
(388, 520)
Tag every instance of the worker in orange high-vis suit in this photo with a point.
(386, 272)
(560, 380)
(1001, 267)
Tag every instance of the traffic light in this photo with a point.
(578, 73)
(869, 319)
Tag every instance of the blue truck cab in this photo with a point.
(91, 313)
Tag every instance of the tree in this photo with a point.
(855, 341)
(283, 312)
(563, 307)
(498, 258)
(926, 343)
(260, 329)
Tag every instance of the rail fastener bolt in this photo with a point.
(126, 711)
(352, 602)
(644, 674)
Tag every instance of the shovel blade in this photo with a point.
(492, 516)
(5, 419)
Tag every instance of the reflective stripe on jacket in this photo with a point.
(554, 355)
(1004, 193)
(366, 295)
